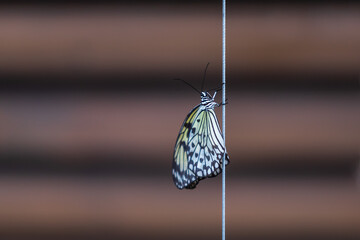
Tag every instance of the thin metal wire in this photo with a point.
(223, 109)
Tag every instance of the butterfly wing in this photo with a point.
(182, 175)
(199, 148)
(206, 146)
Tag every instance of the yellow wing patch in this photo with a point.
(181, 174)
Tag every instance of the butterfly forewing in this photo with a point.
(182, 176)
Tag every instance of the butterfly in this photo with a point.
(199, 148)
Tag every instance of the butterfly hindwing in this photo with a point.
(206, 145)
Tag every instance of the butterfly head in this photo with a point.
(207, 100)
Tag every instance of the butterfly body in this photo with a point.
(199, 148)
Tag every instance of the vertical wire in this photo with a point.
(223, 109)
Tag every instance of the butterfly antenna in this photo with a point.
(202, 85)
(179, 79)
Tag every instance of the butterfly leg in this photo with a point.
(216, 90)
(220, 104)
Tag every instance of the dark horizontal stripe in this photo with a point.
(119, 164)
(113, 82)
(79, 3)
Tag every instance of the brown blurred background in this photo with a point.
(89, 115)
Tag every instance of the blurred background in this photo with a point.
(89, 115)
